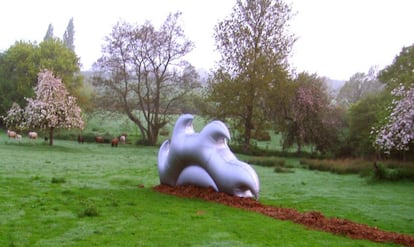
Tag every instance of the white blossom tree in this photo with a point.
(52, 108)
(398, 132)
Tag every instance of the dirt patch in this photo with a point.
(313, 220)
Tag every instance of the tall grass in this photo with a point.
(71, 194)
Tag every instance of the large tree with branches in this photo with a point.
(254, 45)
(142, 73)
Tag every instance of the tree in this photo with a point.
(142, 73)
(49, 33)
(401, 71)
(18, 69)
(359, 86)
(55, 56)
(398, 132)
(254, 45)
(310, 119)
(69, 36)
(20, 64)
(52, 108)
(361, 117)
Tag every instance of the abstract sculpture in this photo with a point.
(204, 159)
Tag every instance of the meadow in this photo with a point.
(90, 194)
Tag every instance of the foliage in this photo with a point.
(398, 132)
(279, 165)
(69, 36)
(373, 171)
(56, 57)
(254, 44)
(401, 71)
(310, 114)
(142, 72)
(52, 108)
(49, 33)
(20, 64)
(361, 117)
(359, 86)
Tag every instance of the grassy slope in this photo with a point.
(45, 191)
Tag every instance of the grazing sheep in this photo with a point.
(99, 139)
(114, 142)
(18, 137)
(80, 139)
(32, 135)
(122, 139)
(11, 134)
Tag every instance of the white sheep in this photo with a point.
(32, 135)
(122, 139)
(11, 134)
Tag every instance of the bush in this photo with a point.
(279, 164)
(89, 211)
(376, 171)
(58, 180)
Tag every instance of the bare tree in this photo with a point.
(142, 73)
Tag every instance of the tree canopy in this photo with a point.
(398, 132)
(254, 45)
(401, 71)
(52, 108)
(18, 69)
(359, 86)
(69, 36)
(20, 64)
(309, 114)
(142, 73)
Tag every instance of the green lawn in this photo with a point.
(94, 195)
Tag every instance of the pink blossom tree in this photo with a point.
(398, 132)
(52, 108)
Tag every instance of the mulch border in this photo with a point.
(312, 220)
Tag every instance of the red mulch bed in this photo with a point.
(313, 220)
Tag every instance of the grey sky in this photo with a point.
(336, 38)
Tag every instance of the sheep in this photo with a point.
(18, 137)
(11, 134)
(114, 142)
(99, 139)
(122, 139)
(80, 139)
(32, 135)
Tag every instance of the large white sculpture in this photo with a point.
(204, 159)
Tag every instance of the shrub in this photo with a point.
(376, 171)
(58, 180)
(89, 211)
(279, 164)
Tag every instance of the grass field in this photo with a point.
(94, 195)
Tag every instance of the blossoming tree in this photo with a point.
(52, 108)
(398, 132)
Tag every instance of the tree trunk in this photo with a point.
(299, 150)
(248, 128)
(51, 136)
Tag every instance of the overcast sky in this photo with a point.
(336, 38)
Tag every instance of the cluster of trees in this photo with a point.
(21, 63)
(143, 73)
(52, 108)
